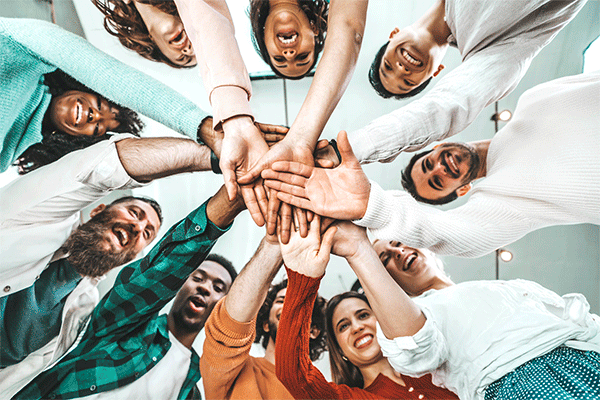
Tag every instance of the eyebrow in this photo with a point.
(99, 99)
(142, 214)
(340, 321)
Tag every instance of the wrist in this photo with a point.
(242, 125)
(210, 137)
(221, 211)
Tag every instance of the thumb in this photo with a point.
(327, 242)
(254, 172)
(229, 178)
(345, 149)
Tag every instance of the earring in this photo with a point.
(344, 358)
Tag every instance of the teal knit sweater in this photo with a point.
(31, 48)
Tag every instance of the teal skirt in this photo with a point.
(562, 374)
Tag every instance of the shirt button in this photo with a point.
(137, 374)
(421, 396)
(154, 359)
(92, 388)
(526, 294)
(6, 289)
(52, 396)
(37, 277)
(198, 228)
(411, 389)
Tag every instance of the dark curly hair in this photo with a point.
(317, 345)
(223, 262)
(316, 11)
(153, 203)
(55, 143)
(375, 79)
(343, 372)
(125, 22)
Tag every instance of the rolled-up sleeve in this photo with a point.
(415, 355)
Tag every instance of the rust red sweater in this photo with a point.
(304, 381)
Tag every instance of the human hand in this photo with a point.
(272, 134)
(348, 239)
(243, 146)
(341, 193)
(290, 151)
(308, 256)
(325, 155)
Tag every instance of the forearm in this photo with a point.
(250, 288)
(396, 313)
(152, 158)
(210, 28)
(334, 71)
(221, 211)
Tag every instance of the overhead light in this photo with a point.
(505, 255)
(504, 116)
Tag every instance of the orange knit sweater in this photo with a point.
(305, 381)
(228, 371)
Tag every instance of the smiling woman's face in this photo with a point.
(82, 114)
(169, 35)
(290, 40)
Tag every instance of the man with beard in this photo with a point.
(49, 272)
(228, 370)
(127, 349)
(541, 169)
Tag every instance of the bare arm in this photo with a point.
(152, 158)
(250, 288)
(396, 313)
(346, 26)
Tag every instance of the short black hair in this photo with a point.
(223, 262)
(148, 200)
(317, 345)
(317, 12)
(375, 79)
(409, 184)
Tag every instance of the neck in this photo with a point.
(184, 337)
(270, 351)
(433, 22)
(481, 147)
(382, 366)
(438, 282)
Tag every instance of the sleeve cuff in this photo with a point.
(228, 102)
(376, 216)
(231, 327)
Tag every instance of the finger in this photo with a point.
(295, 201)
(285, 214)
(261, 197)
(252, 204)
(272, 212)
(327, 241)
(326, 223)
(254, 172)
(309, 215)
(269, 128)
(292, 179)
(301, 222)
(293, 167)
(272, 138)
(323, 163)
(345, 148)
(321, 144)
(230, 181)
(284, 187)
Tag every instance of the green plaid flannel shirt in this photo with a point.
(125, 336)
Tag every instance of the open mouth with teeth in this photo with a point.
(122, 235)
(77, 113)
(451, 164)
(363, 341)
(409, 261)
(287, 38)
(197, 304)
(180, 40)
(411, 59)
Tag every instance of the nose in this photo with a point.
(202, 288)
(357, 326)
(439, 168)
(289, 53)
(188, 50)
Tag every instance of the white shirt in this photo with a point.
(477, 332)
(543, 169)
(162, 382)
(39, 211)
(497, 40)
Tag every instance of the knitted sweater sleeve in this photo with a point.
(105, 75)
(225, 353)
(474, 229)
(293, 367)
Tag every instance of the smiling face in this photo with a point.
(449, 167)
(289, 39)
(354, 325)
(408, 61)
(82, 114)
(168, 33)
(197, 297)
(411, 268)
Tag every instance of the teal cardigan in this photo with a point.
(31, 48)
